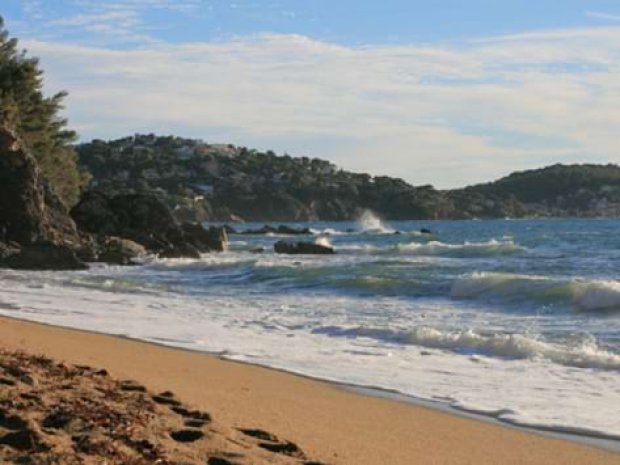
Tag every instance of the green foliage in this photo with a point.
(35, 117)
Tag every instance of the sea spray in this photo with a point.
(369, 222)
(323, 241)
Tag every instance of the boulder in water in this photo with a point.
(301, 248)
(206, 240)
(120, 251)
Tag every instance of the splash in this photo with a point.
(323, 241)
(368, 222)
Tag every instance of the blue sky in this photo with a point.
(444, 92)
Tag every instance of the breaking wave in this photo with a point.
(467, 249)
(368, 222)
(584, 354)
(584, 295)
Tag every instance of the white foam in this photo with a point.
(529, 390)
(585, 295)
(369, 222)
(492, 247)
(584, 355)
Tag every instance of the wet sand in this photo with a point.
(331, 425)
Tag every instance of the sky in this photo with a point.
(448, 92)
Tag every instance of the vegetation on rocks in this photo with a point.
(36, 118)
(201, 181)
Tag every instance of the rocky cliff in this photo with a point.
(36, 230)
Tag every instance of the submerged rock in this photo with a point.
(300, 248)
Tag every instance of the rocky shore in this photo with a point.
(37, 231)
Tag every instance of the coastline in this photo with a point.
(335, 424)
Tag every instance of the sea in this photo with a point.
(518, 320)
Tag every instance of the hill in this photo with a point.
(223, 182)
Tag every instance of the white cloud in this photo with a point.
(444, 114)
(602, 15)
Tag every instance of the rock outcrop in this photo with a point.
(302, 248)
(116, 250)
(282, 229)
(33, 219)
(30, 211)
(145, 219)
(44, 256)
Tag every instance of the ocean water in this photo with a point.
(519, 320)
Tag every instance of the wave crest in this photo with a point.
(467, 249)
(584, 295)
(585, 355)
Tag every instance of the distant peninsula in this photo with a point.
(216, 182)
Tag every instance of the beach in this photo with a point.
(330, 424)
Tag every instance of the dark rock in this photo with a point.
(187, 435)
(57, 420)
(6, 250)
(24, 440)
(30, 210)
(44, 256)
(282, 229)
(206, 240)
(296, 248)
(182, 250)
(146, 220)
(426, 231)
(120, 251)
(11, 422)
(7, 381)
(34, 223)
(292, 231)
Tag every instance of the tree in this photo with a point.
(36, 119)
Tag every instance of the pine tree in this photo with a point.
(36, 119)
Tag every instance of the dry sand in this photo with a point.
(331, 425)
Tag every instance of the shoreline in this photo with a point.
(280, 408)
(577, 436)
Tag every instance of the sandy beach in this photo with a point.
(330, 424)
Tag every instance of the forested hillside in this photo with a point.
(223, 182)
